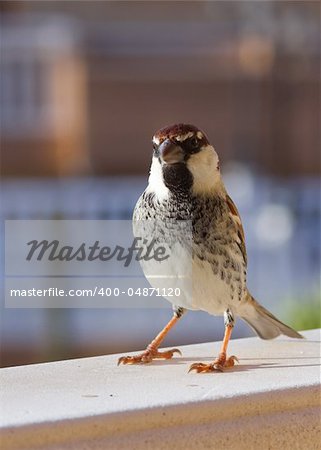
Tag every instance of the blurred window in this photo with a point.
(22, 83)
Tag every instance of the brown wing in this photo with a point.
(234, 214)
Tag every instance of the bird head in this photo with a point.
(183, 161)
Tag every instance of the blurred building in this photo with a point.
(83, 87)
(43, 98)
(246, 73)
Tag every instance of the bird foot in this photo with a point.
(147, 356)
(218, 365)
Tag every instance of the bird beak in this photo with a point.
(170, 153)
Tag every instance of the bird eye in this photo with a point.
(194, 143)
(156, 151)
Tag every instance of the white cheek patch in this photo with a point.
(156, 183)
(156, 140)
(200, 135)
(203, 166)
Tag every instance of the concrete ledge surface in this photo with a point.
(270, 400)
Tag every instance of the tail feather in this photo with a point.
(264, 323)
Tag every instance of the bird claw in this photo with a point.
(230, 362)
(201, 367)
(147, 356)
(217, 366)
(168, 354)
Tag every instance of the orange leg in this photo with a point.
(151, 351)
(221, 361)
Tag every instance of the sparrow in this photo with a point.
(185, 184)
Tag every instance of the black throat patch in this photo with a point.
(177, 178)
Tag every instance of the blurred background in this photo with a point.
(85, 84)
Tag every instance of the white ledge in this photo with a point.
(271, 400)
